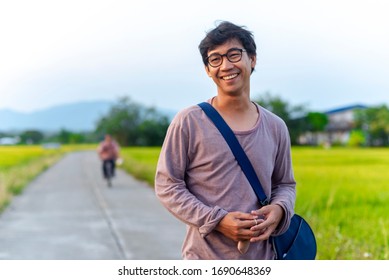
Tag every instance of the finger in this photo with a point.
(246, 234)
(259, 225)
(248, 224)
(254, 232)
(263, 223)
(261, 211)
(244, 216)
(262, 235)
(257, 212)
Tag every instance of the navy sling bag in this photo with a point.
(298, 242)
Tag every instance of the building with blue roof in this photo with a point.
(341, 121)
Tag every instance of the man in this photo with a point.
(198, 178)
(108, 151)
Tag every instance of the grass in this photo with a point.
(344, 193)
(141, 162)
(21, 164)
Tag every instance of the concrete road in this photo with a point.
(68, 212)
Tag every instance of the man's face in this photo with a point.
(231, 78)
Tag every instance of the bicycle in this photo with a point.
(108, 171)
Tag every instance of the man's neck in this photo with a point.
(233, 104)
(238, 111)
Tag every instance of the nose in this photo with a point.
(226, 64)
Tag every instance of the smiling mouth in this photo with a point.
(229, 77)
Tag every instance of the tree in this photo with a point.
(31, 137)
(293, 116)
(357, 138)
(133, 124)
(122, 121)
(152, 130)
(316, 121)
(375, 122)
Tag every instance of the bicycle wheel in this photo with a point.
(109, 173)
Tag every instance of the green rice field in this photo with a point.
(21, 164)
(343, 193)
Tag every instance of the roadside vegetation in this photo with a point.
(141, 162)
(19, 165)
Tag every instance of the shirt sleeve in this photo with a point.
(283, 182)
(171, 187)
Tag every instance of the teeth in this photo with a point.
(230, 77)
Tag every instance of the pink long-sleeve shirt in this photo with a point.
(199, 180)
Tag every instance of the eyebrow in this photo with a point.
(233, 48)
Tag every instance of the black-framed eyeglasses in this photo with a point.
(233, 55)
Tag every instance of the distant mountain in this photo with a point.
(81, 116)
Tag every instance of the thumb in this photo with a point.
(261, 211)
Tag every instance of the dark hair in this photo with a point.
(224, 32)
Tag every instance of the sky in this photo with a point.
(322, 54)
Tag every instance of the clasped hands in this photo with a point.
(251, 227)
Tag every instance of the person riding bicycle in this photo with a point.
(108, 151)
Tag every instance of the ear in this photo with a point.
(253, 61)
(207, 71)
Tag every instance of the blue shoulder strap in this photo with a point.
(237, 150)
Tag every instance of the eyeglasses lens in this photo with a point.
(234, 55)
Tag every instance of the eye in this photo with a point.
(234, 54)
(213, 59)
